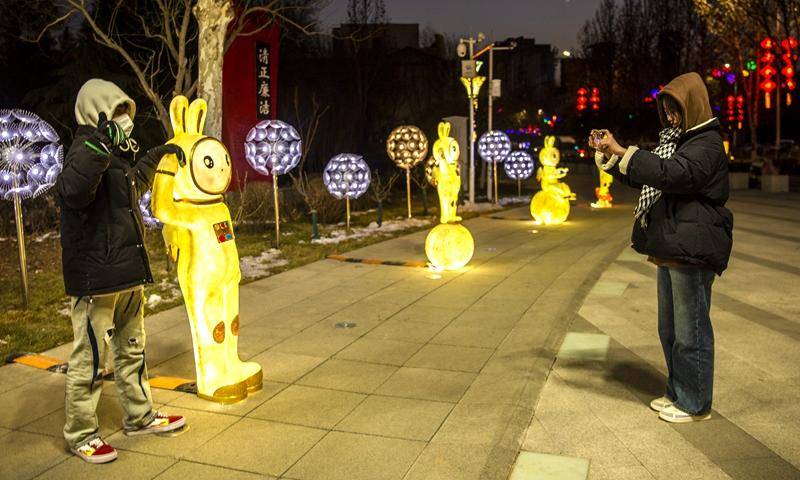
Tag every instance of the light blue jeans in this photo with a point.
(684, 327)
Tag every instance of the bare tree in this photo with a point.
(156, 39)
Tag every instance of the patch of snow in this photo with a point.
(388, 227)
(515, 199)
(169, 290)
(479, 207)
(153, 300)
(42, 238)
(256, 266)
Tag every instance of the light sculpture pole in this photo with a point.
(493, 147)
(406, 147)
(30, 160)
(273, 148)
(346, 176)
(472, 82)
(518, 166)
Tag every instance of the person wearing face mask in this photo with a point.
(682, 225)
(105, 267)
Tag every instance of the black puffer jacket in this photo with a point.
(102, 233)
(689, 223)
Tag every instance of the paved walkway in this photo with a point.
(593, 415)
(441, 375)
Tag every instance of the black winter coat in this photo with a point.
(689, 223)
(102, 233)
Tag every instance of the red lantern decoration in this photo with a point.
(731, 109)
(739, 111)
(595, 99)
(788, 56)
(767, 70)
(582, 100)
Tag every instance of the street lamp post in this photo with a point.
(491, 48)
(467, 46)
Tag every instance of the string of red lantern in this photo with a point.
(583, 100)
(767, 70)
(739, 111)
(788, 55)
(595, 99)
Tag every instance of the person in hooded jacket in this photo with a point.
(105, 266)
(682, 225)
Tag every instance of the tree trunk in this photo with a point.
(213, 17)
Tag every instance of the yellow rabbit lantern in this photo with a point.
(199, 237)
(550, 206)
(603, 192)
(449, 245)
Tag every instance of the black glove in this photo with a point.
(106, 136)
(157, 152)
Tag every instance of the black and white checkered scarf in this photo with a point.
(667, 142)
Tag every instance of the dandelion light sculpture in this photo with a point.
(406, 147)
(518, 166)
(449, 245)
(273, 148)
(31, 158)
(198, 233)
(493, 147)
(346, 176)
(150, 221)
(550, 206)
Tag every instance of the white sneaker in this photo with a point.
(660, 403)
(674, 414)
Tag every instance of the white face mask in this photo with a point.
(125, 122)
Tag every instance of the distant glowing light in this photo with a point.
(566, 53)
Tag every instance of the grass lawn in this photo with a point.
(46, 323)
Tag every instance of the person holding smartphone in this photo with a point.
(105, 266)
(682, 225)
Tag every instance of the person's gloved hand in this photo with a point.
(169, 164)
(107, 135)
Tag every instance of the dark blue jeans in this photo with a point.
(684, 326)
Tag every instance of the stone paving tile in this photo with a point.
(26, 455)
(541, 466)
(470, 336)
(29, 402)
(427, 384)
(374, 350)
(449, 357)
(321, 342)
(14, 375)
(348, 375)
(203, 426)
(427, 314)
(184, 469)
(760, 469)
(406, 331)
(441, 461)
(129, 465)
(313, 407)
(239, 409)
(585, 346)
(619, 473)
(477, 424)
(258, 446)
(348, 456)
(396, 417)
(286, 367)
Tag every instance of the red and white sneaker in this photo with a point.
(161, 423)
(96, 451)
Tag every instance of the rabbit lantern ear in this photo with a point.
(186, 118)
(444, 129)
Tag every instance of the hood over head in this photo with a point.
(97, 96)
(690, 92)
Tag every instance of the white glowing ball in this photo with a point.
(518, 165)
(494, 146)
(273, 147)
(30, 155)
(346, 176)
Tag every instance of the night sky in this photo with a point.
(548, 21)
